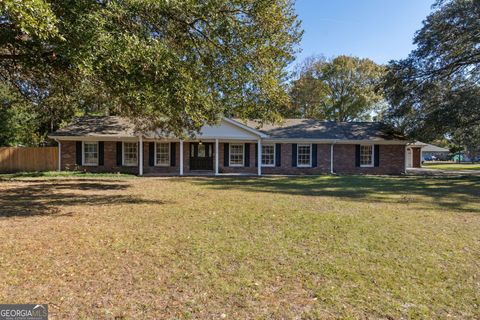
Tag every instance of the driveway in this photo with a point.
(440, 172)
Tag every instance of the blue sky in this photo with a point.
(381, 30)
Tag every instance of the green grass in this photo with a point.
(244, 248)
(42, 175)
(452, 166)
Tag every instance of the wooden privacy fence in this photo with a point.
(28, 159)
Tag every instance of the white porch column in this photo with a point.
(140, 158)
(259, 157)
(331, 158)
(181, 157)
(216, 156)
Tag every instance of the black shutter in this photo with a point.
(225, 154)
(376, 154)
(294, 154)
(119, 153)
(78, 152)
(246, 155)
(278, 155)
(256, 154)
(314, 155)
(151, 154)
(173, 153)
(357, 155)
(101, 153)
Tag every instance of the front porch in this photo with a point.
(203, 157)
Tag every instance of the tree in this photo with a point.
(176, 65)
(436, 90)
(341, 89)
(19, 124)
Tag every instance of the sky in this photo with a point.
(381, 30)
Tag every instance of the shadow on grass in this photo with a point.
(455, 193)
(62, 174)
(48, 198)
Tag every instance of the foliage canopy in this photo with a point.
(341, 89)
(435, 92)
(170, 64)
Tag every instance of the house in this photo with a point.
(432, 152)
(295, 146)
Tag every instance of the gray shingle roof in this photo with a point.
(288, 129)
(327, 130)
(98, 126)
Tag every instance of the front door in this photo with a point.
(409, 158)
(201, 156)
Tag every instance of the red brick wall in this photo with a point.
(250, 169)
(391, 161)
(157, 169)
(323, 162)
(68, 162)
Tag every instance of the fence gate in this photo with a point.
(17, 159)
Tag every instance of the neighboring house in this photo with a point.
(296, 146)
(432, 152)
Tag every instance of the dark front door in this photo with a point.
(201, 156)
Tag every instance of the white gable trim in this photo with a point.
(228, 129)
(246, 128)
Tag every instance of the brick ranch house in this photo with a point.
(296, 146)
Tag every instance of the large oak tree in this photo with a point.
(341, 89)
(435, 92)
(173, 64)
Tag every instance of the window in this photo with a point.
(201, 151)
(130, 154)
(90, 153)
(162, 154)
(268, 155)
(366, 156)
(236, 155)
(304, 155)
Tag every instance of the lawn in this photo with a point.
(237, 248)
(452, 166)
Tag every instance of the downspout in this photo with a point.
(59, 155)
(140, 161)
(331, 157)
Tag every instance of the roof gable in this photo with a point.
(230, 129)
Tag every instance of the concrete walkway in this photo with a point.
(440, 172)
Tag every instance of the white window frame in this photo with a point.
(83, 154)
(274, 154)
(298, 154)
(169, 155)
(230, 155)
(372, 164)
(123, 154)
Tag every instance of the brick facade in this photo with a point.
(68, 159)
(227, 169)
(391, 160)
(323, 162)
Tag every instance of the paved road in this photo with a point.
(440, 172)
